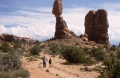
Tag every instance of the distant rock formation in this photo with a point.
(12, 38)
(96, 26)
(61, 30)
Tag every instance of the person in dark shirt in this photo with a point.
(50, 62)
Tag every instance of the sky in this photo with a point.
(34, 18)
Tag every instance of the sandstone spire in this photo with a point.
(61, 30)
(96, 26)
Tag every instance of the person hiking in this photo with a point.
(44, 61)
(50, 62)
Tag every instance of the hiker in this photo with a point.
(50, 62)
(44, 61)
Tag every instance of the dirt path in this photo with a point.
(58, 70)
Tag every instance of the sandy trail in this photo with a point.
(58, 70)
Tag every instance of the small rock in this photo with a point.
(47, 70)
(57, 74)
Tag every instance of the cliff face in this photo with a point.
(96, 26)
(61, 30)
(12, 38)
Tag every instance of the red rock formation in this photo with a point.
(12, 38)
(96, 26)
(57, 8)
(8, 37)
(62, 30)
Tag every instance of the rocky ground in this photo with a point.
(58, 69)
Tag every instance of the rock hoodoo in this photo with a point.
(96, 26)
(61, 30)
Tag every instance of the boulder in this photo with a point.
(96, 26)
(57, 8)
(84, 37)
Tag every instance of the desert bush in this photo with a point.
(113, 48)
(88, 61)
(35, 50)
(42, 46)
(17, 44)
(73, 54)
(55, 48)
(22, 73)
(112, 69)
(98, 53)
(15, 74)
(4, 75)
(118, 54)
(5, 47)
(86, 50)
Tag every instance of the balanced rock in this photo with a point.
(96, 26)
(61, 30)
(57, 8)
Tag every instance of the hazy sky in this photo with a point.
(34, 18)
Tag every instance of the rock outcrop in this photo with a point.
(61, 30)
(12, 38)
(96, 26)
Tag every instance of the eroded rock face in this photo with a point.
(8, 37)
(96, 26)
(61, 30)
(12, 38)
(57, 8)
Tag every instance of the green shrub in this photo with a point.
(112, 69)
(98, 53)
(113, 48)
(86, 50)
(55, 48)
(15, 74)
(5, 47)
(17, 44)
(73, 55)
(22, 73)
(118, 54)
(89, 61)
(42, 46)
(35, 50)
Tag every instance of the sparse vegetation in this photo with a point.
(17, 44)
(98, 53)
(10, 64)
(55, 49)
(5, 47)
(35, 50)
(19, 73)
(75, 55)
